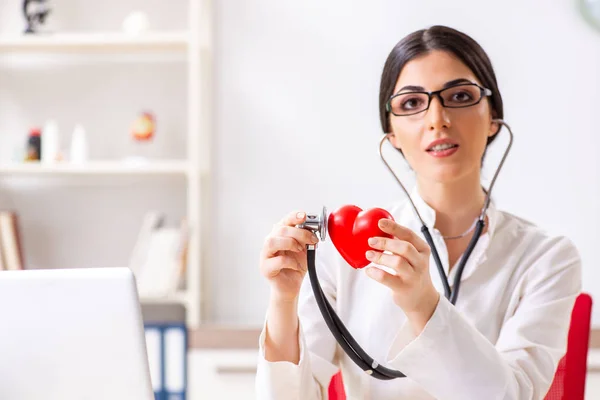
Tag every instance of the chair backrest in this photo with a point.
(569, 380)
(336, 388)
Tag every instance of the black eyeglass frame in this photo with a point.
(483, 91)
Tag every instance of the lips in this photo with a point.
(442, 148)
(441, 145)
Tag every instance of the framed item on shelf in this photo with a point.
(35, 12)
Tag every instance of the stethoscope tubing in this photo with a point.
(332, 320)
(448, 292)
(341, 333)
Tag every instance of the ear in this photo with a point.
(494, 127)
(393, 139)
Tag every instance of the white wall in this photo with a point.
(297, 125)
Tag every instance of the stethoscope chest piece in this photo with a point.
(316, 223)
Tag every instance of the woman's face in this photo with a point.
(464, 130)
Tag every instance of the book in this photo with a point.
(151, 221)
(2, 267)
(159, 257)
(10, 241)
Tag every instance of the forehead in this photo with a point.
(432, 70)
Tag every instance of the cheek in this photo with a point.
(407, 133)
(407, 140)
(475, 128)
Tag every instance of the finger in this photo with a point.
(303, 236)
(403, 233)
(397, 263)
(274, 265)
(385, 278)
(293, 218)
(273, 244)
(398, 247)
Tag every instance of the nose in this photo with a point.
(437, 115)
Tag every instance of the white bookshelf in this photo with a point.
(180, 297)
(96, 42)
(167, 167)
(195, 43)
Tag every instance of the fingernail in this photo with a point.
(300, 247)
(370, 254)
(315, 239)
(373, 241)
(300, 215)
(383, 223)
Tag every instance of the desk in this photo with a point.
(222, 363)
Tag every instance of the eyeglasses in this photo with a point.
(459, 96)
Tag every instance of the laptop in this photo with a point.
(72, 334)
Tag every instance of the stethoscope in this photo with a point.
(318, 225)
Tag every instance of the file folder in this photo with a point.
(167, 355)
(175, 362)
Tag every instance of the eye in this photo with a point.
(461, 97)
(411, 103)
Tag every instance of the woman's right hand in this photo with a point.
(283, 257)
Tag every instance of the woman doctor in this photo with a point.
(507, 332)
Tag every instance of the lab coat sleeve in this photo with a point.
(451, 359)
(309, 380)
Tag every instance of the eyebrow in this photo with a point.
(413, 88)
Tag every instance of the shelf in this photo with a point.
(97, 168)
(175, 298)
(182, 179)
(93, 42)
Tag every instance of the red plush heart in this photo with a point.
(350, 229)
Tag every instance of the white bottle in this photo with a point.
(79, 146)
(50, 142)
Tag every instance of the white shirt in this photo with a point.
(502, 340)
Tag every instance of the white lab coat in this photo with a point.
(502, 340)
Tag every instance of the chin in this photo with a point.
(446, 173)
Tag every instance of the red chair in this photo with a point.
(336, 388)
(569, 380)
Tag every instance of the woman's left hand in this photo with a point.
(412, 288)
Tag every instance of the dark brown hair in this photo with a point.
(441, 38)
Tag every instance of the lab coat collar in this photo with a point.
(409, 218)
(428, 213)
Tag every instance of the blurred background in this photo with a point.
(176, 133)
